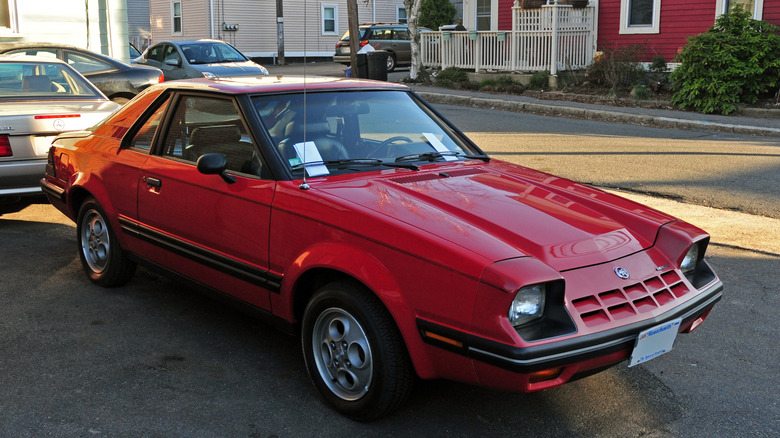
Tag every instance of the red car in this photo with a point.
(352, 213)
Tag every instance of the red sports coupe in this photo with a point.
(353, 213)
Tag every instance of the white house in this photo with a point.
(309, 27)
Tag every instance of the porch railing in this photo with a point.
(538, 36)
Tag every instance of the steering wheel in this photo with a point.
(388, 142)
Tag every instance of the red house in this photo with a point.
(664, 25)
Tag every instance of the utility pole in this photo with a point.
(280, 32)
(354, 35)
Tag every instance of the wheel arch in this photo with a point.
(328, 263)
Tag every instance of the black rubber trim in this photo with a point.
(536, 358)
(243, 271)
(52, 190)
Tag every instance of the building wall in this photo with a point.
(679, 20)
(257, 27)
(138, 28)
(97, 25)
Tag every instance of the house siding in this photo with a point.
(680, 19)
(505, 14)
(256, 34)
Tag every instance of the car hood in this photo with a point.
(247, 68)
(501, 211)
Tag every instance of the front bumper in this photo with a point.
(607, 344)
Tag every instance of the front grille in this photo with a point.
(617, 304)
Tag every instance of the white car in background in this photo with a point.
(39, 99)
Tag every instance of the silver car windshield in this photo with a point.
(36, 81)
(211, 53)
(347, 131)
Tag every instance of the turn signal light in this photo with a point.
(541, 376)
(363, 43)
(444, 339)
(5, 146)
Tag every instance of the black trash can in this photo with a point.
(377, 65)
(362, 66)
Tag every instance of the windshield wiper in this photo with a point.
(345, 162)
(432, 156)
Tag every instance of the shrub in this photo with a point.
(734, 61)
(435, 13)
(539, 80)
(502, 84)
(452, 78)
(618, 67)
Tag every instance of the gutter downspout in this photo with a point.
(211, 18)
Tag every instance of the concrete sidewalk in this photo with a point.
(760, 122)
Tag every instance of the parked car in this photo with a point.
(391, 37)
(134, 52)
(197, 59)
(351, 212)
(119, 81)
(38, 100)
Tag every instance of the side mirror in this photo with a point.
(173, 62)
(215, 164)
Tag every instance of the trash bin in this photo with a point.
(377, 65)
(362, 66)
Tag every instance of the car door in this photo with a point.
(211, 228)
(401, 45)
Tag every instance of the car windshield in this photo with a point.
(42, 80)
(211, 53)
(350, 131)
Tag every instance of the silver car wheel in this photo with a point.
(342, 354)
(95, 241)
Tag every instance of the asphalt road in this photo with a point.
(154, 359)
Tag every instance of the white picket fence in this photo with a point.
(538, 36)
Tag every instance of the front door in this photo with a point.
(213, 229)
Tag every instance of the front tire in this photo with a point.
(354, 352)
(103, 260)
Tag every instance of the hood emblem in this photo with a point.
(621, 272)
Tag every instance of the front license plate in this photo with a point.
(655, 341)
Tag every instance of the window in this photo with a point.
(330, 19)
(484, 13)
(8, 22)
(176, 14)
(145, 135)
(86, 64)
(640, 16)
(400, 13)
(203, 125)
(755, 7)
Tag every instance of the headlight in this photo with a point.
(691, 259)
(528, 304)
(209, 75)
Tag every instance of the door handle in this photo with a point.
(153, 182)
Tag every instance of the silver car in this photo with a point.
(40, 98)
(198, 59)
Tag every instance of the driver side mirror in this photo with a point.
(215, 164)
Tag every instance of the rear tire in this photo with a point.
(390, 62)
(354, 352)
(103, 260)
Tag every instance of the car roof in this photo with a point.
(27, 44)
(278, 84)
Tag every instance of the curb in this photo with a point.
(591, 114)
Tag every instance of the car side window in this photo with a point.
(145, 135)
(203, 125)
(381, 34)
(171, 53)
(401, 34)
(86, 64)
(156, 53)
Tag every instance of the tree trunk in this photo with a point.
(354, 35)
(412, 16)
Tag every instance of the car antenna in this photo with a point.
(304, 185)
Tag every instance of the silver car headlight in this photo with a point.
(528, 304)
